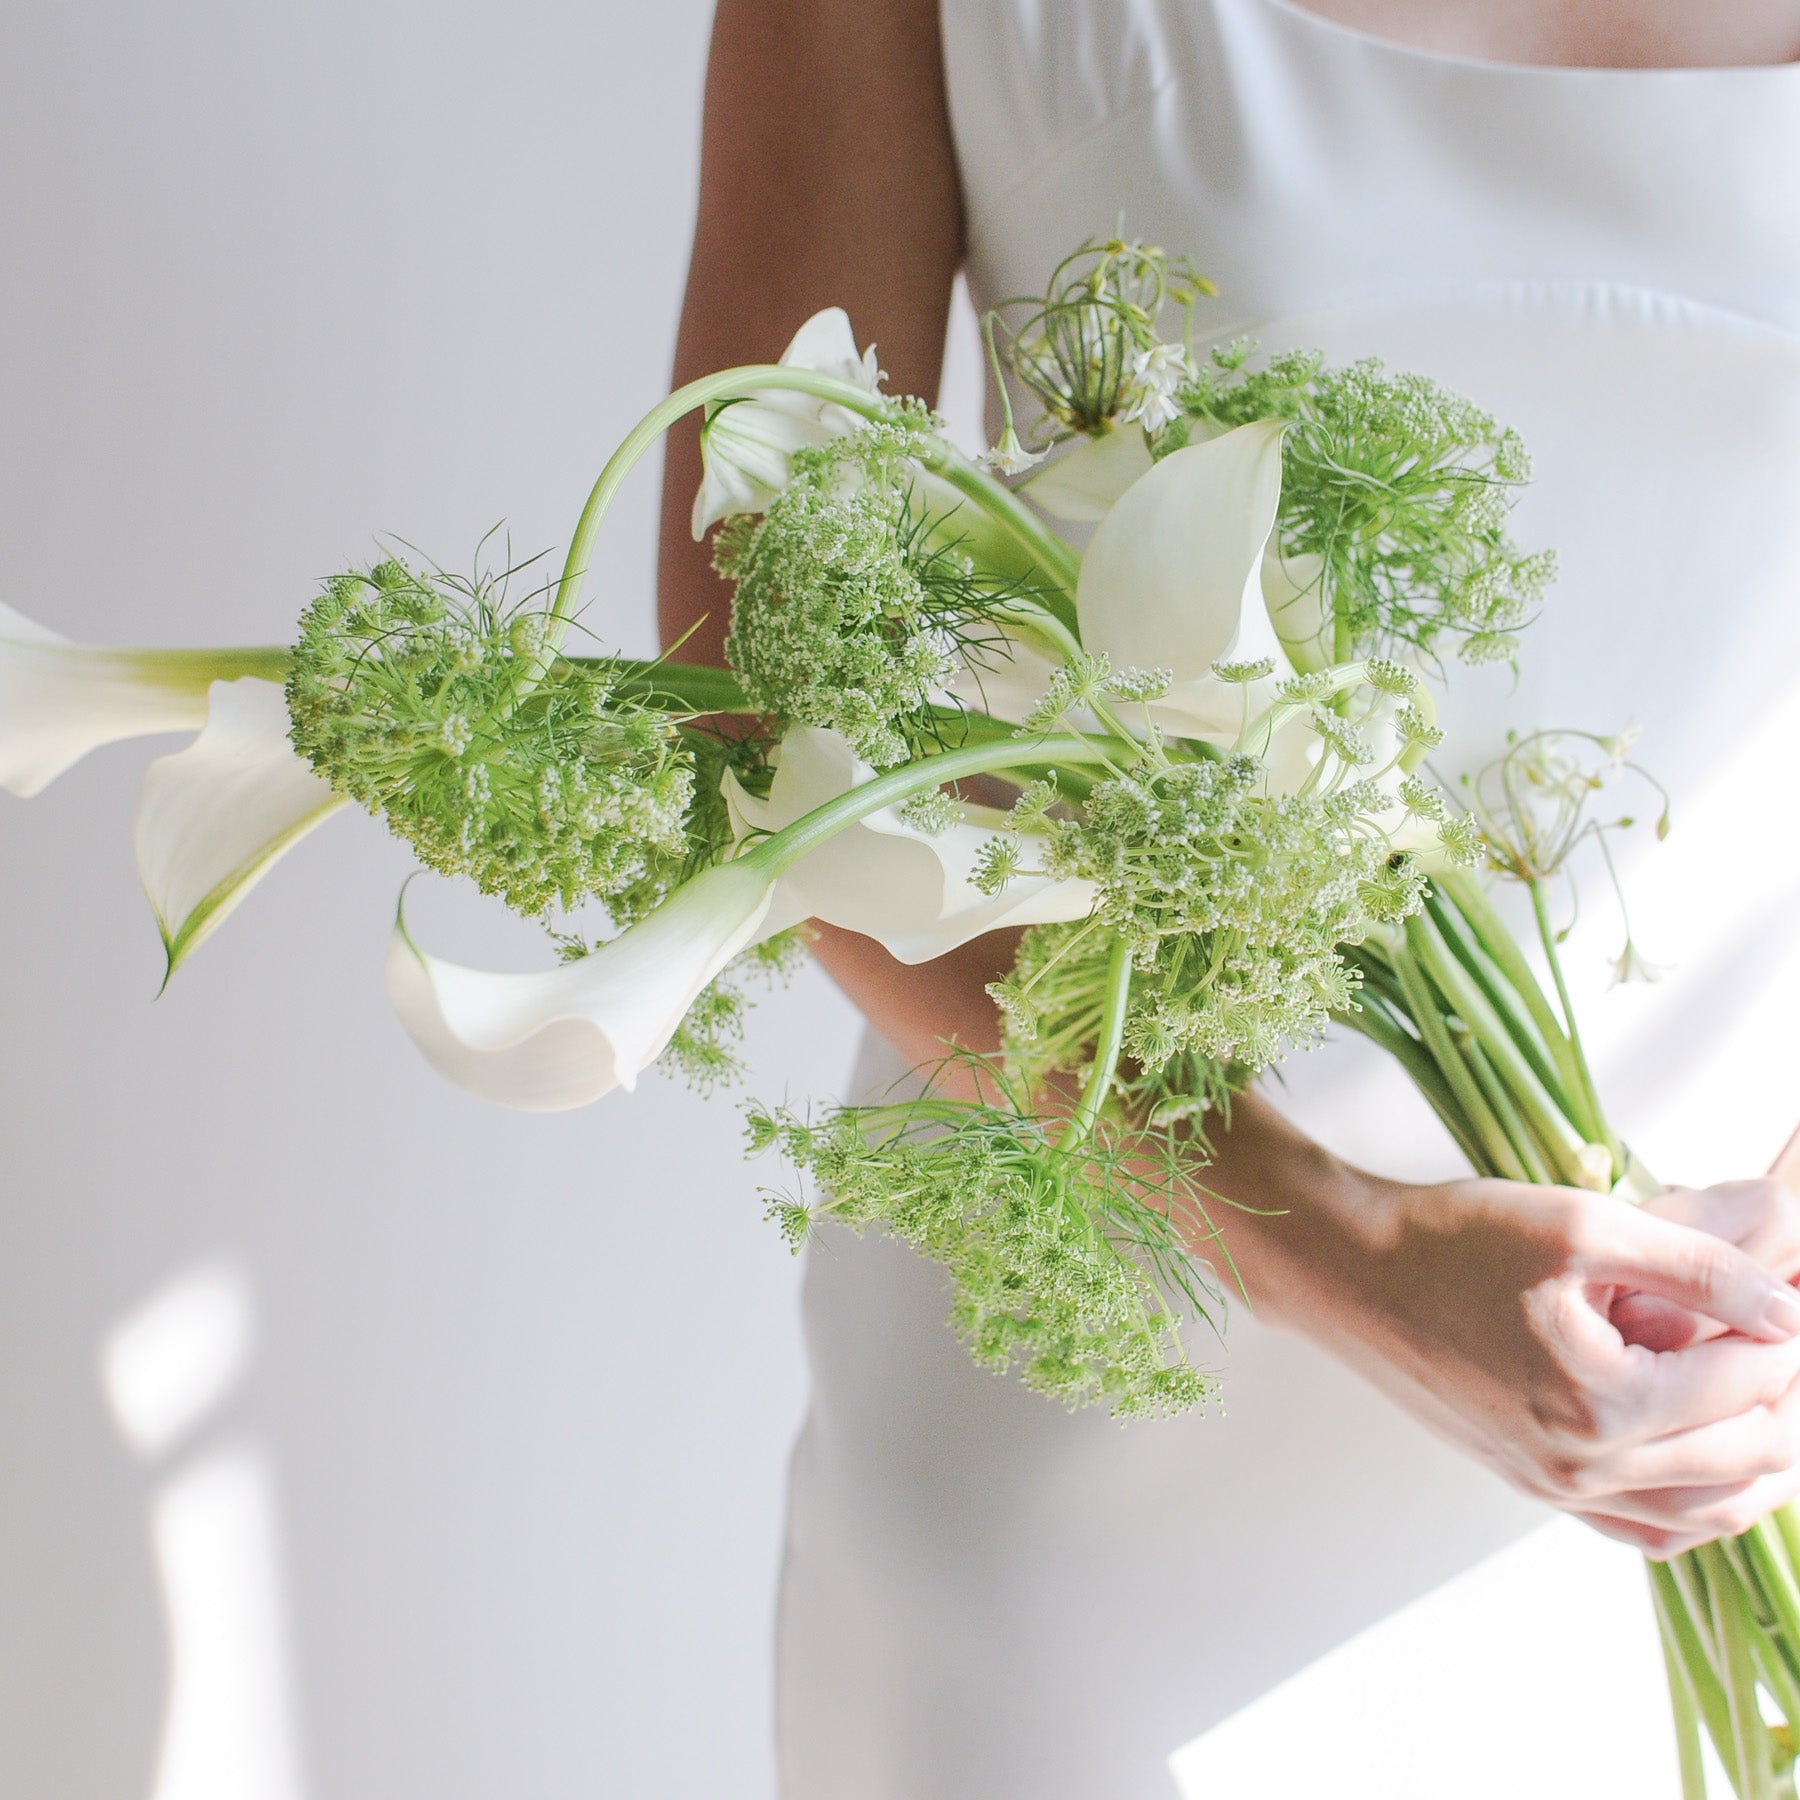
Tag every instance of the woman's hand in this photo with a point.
(1638, 1367)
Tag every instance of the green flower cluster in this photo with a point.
(852, 603)
(1055, 1268)
(1402, 488)
(422, 698)
(1051, 1004)
(1234, 904)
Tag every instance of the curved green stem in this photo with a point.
(1547, 1121)
(1515, 1015)
(1428, 1019)
(1466, 896)
(1694, 1691)
(1108, 1048)
(744, 383)
(197, 670)
(1733, 1628)
(727, 384)
(783, 848)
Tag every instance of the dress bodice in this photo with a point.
(1303, 164)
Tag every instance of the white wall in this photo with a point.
(356, 1441)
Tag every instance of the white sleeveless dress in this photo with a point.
(985, 1598)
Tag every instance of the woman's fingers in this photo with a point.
(1657, 1544)
(1762, 1218)
(1701, 1514)
(1658, 1324)
(1661, 1392)
(1631, 1249)
(1763, 1441)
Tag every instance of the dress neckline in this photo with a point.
(1497, 66)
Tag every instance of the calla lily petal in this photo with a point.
(747, 446)
(59, 700)
(827, 345)
(749, 451)
(1082, 485)
(908, 889)
(563, 1037)
(213, 819)
(1173, 578)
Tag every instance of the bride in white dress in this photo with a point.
(1588, 217)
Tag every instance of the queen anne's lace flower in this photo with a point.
(1054, 1267)
(537, 777)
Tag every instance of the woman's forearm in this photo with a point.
(827, 178)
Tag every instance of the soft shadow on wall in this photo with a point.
(360, 1441)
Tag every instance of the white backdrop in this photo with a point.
(356, 1440)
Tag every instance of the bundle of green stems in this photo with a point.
(1451, 995)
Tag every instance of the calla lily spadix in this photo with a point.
(59, 700)
(1173, 579)
(908, 889)
(747, 446)
(214, 818)
(563, 1037)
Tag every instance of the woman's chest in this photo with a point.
(1590, 34)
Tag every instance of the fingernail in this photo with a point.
(1781, 1314)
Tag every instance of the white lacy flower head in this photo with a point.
(747, 446)
(1157, 375)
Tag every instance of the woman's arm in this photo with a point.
(828, 177)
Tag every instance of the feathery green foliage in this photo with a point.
(1402, 488)
(425, 699)
(854, 604)
(1067, 1267)
(1234, 903)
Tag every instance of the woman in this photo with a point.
(1563, 206)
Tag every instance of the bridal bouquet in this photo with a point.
(1189, 761)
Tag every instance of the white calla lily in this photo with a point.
(563, 1037)
(1082, 485)
(747, 446)
(213, 819)
(907, 888)
(59, 700)
(1173, 579)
